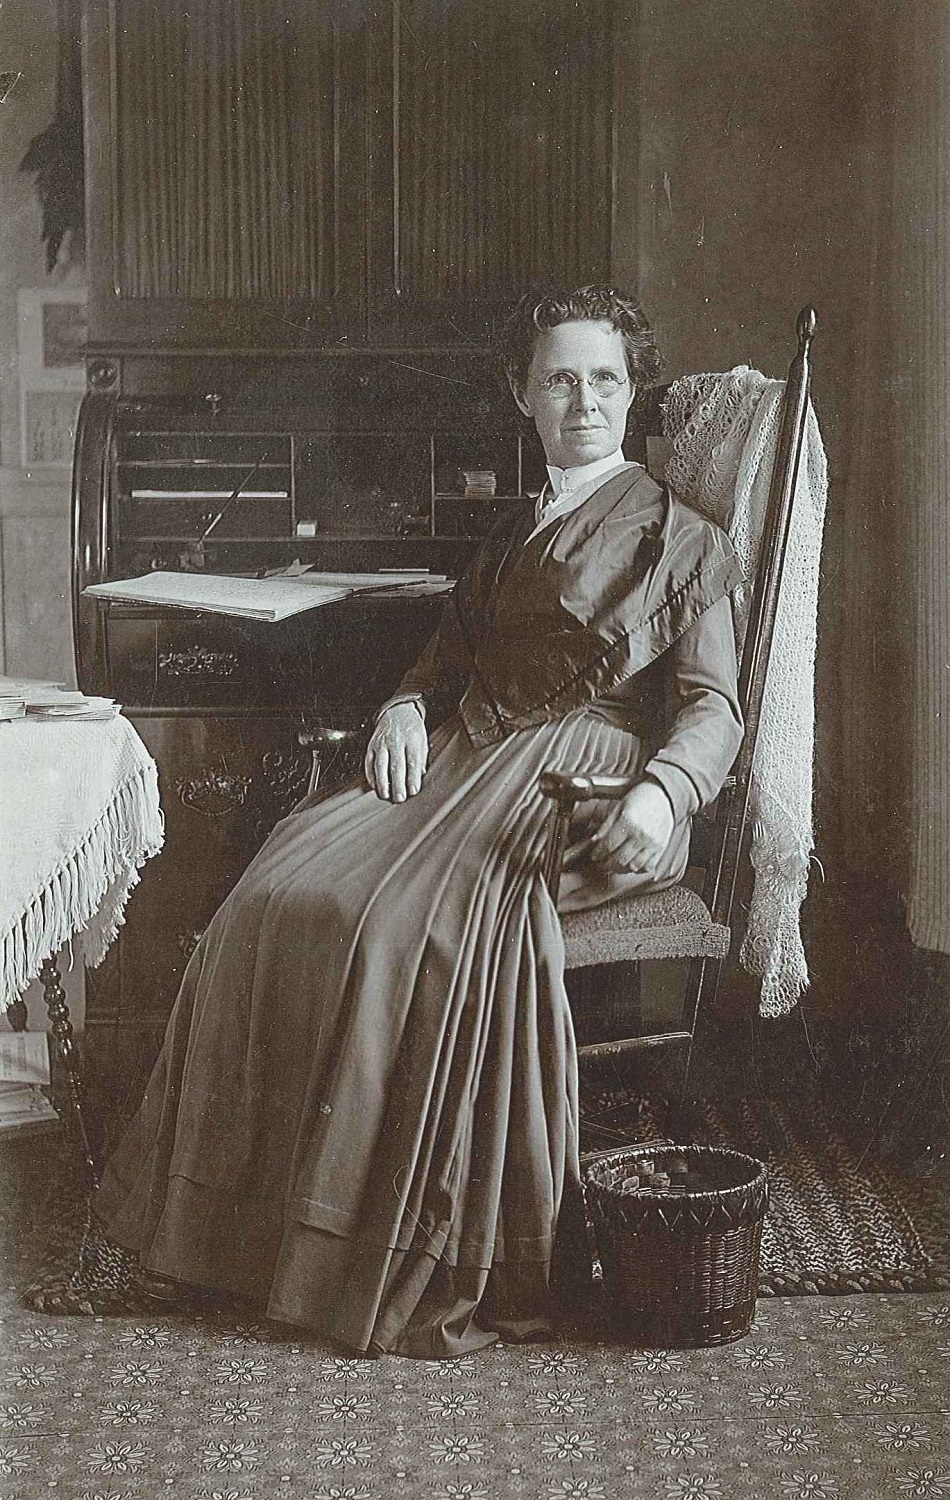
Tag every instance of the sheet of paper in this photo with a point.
(355, 582)
(38, 691)
(16, 684)
(220, 593)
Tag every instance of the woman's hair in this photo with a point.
(535, 314)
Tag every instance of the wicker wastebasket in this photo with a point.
(678, 1231)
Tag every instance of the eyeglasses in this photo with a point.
(562, 386)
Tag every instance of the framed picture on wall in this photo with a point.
(51, 337)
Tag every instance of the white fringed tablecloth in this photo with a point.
(79, 815)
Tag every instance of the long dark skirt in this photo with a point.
(365, 1113)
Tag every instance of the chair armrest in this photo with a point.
(567, 789)
(325, 741)
(566, 786)
(324, 737)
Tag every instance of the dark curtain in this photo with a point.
(892, 574)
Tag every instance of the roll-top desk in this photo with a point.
(220, 701)
(301, 230)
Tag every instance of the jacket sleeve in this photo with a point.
(705, 722)
(437, 681)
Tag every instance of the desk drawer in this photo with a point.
(356, 651)
(175, 662)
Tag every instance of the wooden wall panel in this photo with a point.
(920, 272)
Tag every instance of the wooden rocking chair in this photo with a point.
(679, 923)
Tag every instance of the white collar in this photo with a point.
(565, 480)
(549, 508)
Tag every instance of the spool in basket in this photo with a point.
(680, 1254)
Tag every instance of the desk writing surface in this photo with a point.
(269, 598)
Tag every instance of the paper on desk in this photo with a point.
(266, 599)
(382, 578)
(416, 587)
(37, 690)
(23, 1103)
(24, 1057)
(292, 570)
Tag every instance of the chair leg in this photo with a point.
(58, 1011)
(702, 986)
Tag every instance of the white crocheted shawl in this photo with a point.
(724, 430)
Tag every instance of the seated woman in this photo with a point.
(364, 1116)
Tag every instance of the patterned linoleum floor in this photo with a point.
(827, 1399)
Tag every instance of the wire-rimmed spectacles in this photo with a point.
(562, 385)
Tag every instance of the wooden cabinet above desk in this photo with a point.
(268, 174)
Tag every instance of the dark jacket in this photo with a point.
(533, 631)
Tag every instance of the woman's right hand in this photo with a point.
(397, 753)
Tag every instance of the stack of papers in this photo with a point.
(480, 483)
(23, 698)
(271, 598)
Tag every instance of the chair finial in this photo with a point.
(805, 325)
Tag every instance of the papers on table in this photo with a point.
(417, 589)
(23, 698)
(269, 599)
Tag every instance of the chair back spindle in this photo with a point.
(763, 611)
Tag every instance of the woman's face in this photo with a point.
(578, 392)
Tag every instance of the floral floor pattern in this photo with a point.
(828, 1398)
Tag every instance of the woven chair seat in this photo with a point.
(674, 923)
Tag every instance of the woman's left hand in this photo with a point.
(635, 833)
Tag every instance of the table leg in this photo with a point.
(57, 1009)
